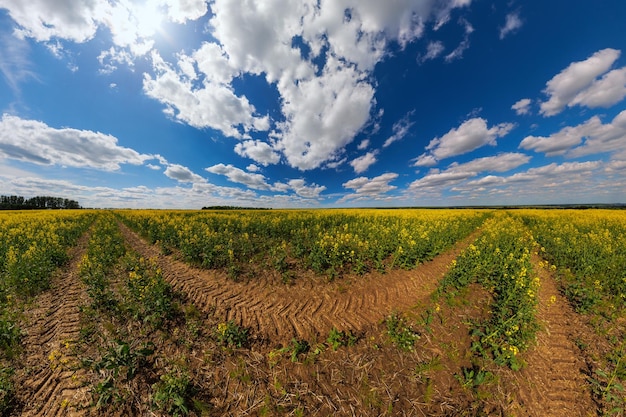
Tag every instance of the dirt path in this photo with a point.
(554, 382)
(309, 308)
(48, 385)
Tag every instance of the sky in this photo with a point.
(313, 103)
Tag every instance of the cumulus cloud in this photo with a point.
(522, 106)
(365, 143)
(35, 142)
(208, 104)
(300, 187)
(318, 55)
(400, 129)
(512, 24)
(234, 174)
(593, 137)
(327, 103)
(323, 114)
(183, 174)
(259, 181)
(258, 151)
(457, 173)
(472, 134)
(131, 24)
(578, 84)
(362, 163)
(372, 188)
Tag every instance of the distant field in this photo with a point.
(313, 312)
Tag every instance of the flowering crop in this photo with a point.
(589, 249)
(326, 241)
(33, 245)
(499, 260)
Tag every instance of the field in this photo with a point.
(313, 312)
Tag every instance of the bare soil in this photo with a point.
(554, 382)
(308, 308)
(49, 379)
(371, 378)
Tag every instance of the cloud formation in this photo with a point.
(513, 24)
(470, 135)
(370, 188)
(35, 142)
(578, 84)
(588, 138)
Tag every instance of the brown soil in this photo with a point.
(49, 381)
(308, 308)
(555, 381)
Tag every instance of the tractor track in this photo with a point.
(555, 381)
(51, 383)
(307, 309)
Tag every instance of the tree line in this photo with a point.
(15, 202)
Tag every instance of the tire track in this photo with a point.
(554, 382)
(308, 309)
(50, 380)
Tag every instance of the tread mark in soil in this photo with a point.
(308, 308)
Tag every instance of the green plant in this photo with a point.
(400, 332)
(337, 338)
(121, 358)
(7, 391)
(172, 393)
(106, 392)
(10, 335)
(472, 377)
(232, 335)
(296, 347)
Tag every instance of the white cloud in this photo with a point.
(605, 92)
(433, 50)
(400, 129)
(499, 163)
(234, 174)
(258, 151)
(35, 142)
(323, 115)
(131, 24)
(303, 190)
(472, 134)
(183, 174)
(180, 11)
(457, 173)
(425, 160)
(112, 58)
(592, 136)
(577, 84)
(324, 108)
(362, 163)
(253, 168)
(372, 188)
(458, 52)
(512, 24)
(43, 20)
(522, 106)
(210, 104)
(365, 143)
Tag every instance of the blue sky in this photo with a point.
(330, 103)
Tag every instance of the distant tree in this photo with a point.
(14, 202)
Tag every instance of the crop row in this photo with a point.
(327, 241)
(500, 261)
(588, 251)
(32, 246)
